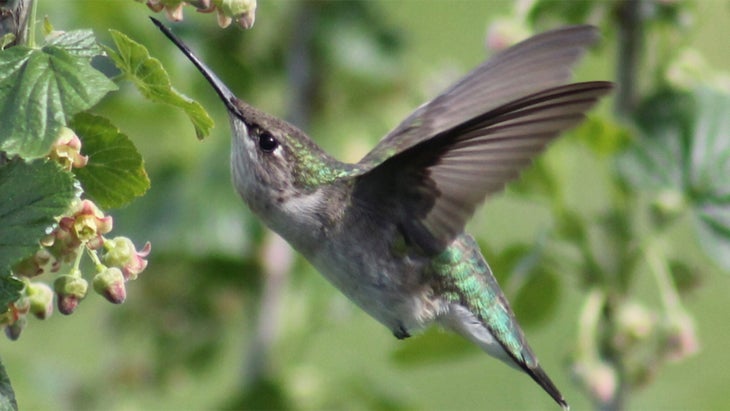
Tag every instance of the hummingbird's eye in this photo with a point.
(267, 142)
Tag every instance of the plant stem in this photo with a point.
(588, 323)
(30, 27)
(630, 45)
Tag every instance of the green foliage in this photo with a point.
(115, 174)
(78, 43)
(683, 155)
(40, 90)
(37, 192)
(7, 395)
(153, 82)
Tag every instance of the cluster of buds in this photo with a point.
(641, 340)
(36, 298)
(243, 12)
(79, 232)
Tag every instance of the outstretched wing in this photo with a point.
(431, 188)
(534, 65)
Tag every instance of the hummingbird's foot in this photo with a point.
(401, 333)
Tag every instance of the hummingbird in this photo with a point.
(388, 231)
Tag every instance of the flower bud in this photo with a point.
(41, 300)
(634, 323)
(174, 11)
(599, 378)
(110, 284)
(667, 205)
(70, 290)
(12, 331)
(90, 222)
(223, 20)
(67, 150)
(121, 252)
(200, 4)
(155, 5)
(682, 341)
(243, 11)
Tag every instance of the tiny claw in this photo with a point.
(401, 333)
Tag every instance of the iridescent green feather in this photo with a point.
(466, 279)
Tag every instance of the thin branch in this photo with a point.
(629, 21)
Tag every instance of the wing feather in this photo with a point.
(433, 187)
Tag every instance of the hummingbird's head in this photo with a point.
(272, 162)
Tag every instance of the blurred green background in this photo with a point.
(187, 336)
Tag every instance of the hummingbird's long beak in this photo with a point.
(229, 99)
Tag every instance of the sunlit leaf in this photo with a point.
(115, 174)
(40, 90)
(152, 80)
(79, 43)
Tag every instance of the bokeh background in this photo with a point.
(214, 323)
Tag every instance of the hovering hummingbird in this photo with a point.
(388, 231)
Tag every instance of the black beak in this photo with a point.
(229, 99)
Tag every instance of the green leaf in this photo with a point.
(574, 12)
(33, 195)
(115, 174)
(603, 135)
(7, 395)
(79, 43)
(523, 273)
(152, 80)
(537, 299)
(684, 146)
(40, 90)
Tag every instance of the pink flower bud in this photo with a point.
(90, 222)
(599, 378)
(41, 300)
(110, 284)
(67, 150)
(70, 289)
(67, 304)
(155, 5)
(682, 341)
(243, 11)
(223, 20)
(174, 11)
(12, 331)
(201, 5)
(121, 252)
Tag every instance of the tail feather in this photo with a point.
(542, 379)
(478, 310)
